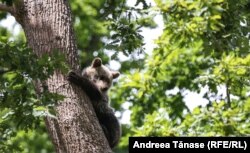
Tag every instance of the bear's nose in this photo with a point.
(105, 89)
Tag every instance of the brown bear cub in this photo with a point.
(95, 80)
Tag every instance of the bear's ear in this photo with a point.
(115, 74)
(97, 62)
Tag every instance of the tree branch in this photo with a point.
(5, 8)
(228, 93)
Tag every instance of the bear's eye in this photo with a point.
(102, 77)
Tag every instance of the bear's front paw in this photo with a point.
(71, 76)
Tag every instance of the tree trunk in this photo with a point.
(48, 26)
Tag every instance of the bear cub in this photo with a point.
(96, 80)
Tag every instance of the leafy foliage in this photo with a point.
(204, 45)
(21, 107)
(109, 26)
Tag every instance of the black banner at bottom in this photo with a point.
(188, 144)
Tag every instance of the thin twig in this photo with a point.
(228, 93)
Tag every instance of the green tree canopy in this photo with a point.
(205, 44)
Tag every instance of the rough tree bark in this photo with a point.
(48, 26)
